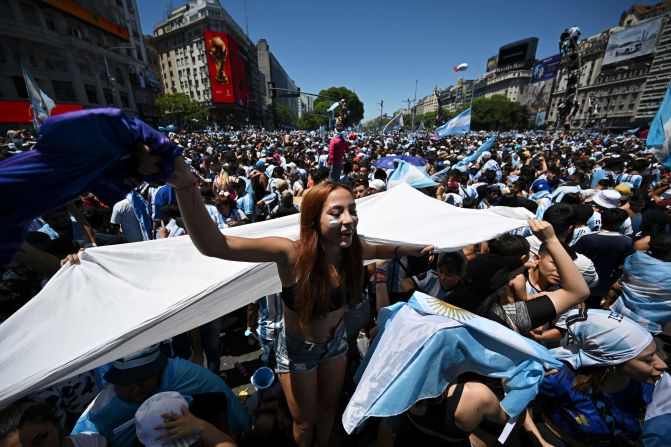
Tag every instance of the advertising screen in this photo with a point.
(219, 65)
(516, 52)
(546, 68)
(632, 42)
(491, 63)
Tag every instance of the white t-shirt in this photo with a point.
(123, 215)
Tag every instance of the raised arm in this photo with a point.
(206, 235)
(574, 288)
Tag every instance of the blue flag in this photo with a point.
(395, 123)
(425, 344)
(660, 131)
(40, 103)
(485, 147)
(417, 177)
(459, 124)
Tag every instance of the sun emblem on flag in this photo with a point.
(440, 307)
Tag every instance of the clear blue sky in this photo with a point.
(379, 48)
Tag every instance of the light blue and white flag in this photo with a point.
(415, 176)
(459, 124)
(657, 422)
(659, 136)
(141, 212)
(425, 344)
(421, 126)
(646, 292)
(40, 103)
(393, 124)
(484, 147)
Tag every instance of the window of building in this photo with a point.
(64, 90)
(29, 13)
(109, 97)
(49, 21)
(91, 93)
(20, 86)
(124, 98)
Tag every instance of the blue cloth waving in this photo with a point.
(89, 150)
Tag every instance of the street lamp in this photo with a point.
(107, 70)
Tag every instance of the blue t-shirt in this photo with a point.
(113, 417)
(165, 195)
(593, 418)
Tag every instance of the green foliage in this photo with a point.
(498, 113)
(284, 115)
(311, 121)
(179, 108)
(354, 104)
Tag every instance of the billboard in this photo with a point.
(219, 65)
(491, 63)
(546, 68)
(537, 96)
(240, 79)
(633, 42)
(517, 52)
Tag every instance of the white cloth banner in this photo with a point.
(123, 298)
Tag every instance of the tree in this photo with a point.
(498, 113)
(354, 104)
(311, 121)
(284, 115)
(179, 108)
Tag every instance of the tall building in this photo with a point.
(82, 54)
(277, 77)
(204, 53)
(625, 71)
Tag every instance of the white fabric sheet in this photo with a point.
(125, 297)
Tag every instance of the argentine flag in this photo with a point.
(415, 176)
(659, 136)
(485, 147)
(426, 343)
(395, 123)
(40, 103)
(657, 422)
(459, 124)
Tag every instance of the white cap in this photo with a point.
(149, 416)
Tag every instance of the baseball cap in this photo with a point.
(148, 416)
(624, 190)
(607, 198)
(137, 366)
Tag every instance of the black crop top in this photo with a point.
(290, 293)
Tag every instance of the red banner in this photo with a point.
(20, 112)
(240, 80)
(219, 64)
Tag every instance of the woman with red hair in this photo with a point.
(321, 275)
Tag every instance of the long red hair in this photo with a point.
(312, 271)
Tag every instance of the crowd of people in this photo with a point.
(588, 278)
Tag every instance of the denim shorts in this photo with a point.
(293, 355)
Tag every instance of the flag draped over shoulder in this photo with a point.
(426, 343)
(123, 298)
(40, 103)
(659, 136)
(395, 123)
(657, 422)
(76, 153)
(459, 124)
(415, 176)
